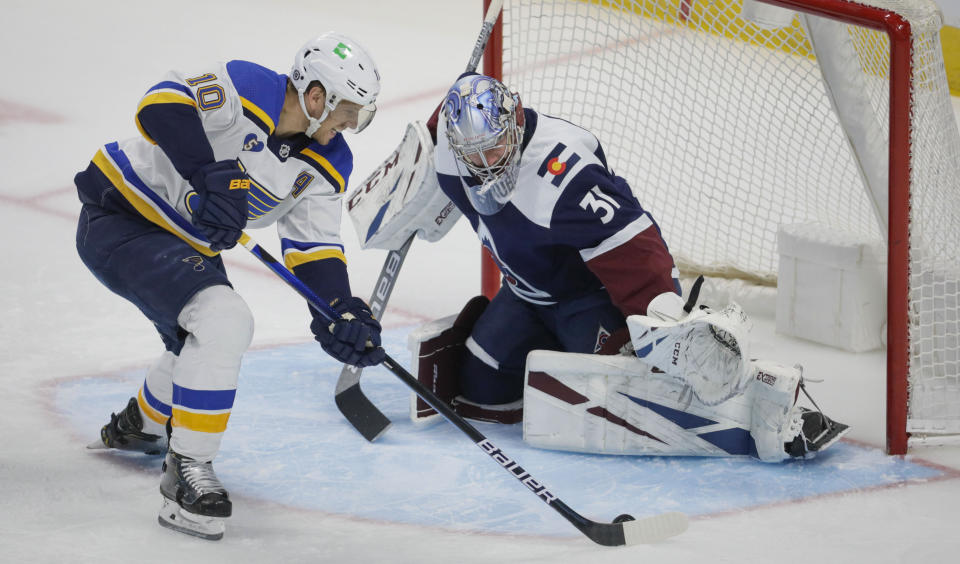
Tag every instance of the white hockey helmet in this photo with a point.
(484, 126)
(346, 71)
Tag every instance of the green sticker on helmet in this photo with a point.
(342, 50)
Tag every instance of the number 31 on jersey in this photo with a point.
(599, 203)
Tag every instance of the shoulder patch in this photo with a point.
(252, 143)
(557, 164)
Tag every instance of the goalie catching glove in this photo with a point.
(354, 338)
(219, 209)
(706, 349)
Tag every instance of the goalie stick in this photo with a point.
(365, 417)
(625, 530)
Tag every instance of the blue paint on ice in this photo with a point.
(288, 443)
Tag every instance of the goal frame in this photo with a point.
(900, 36)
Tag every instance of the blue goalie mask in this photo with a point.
(484, 126)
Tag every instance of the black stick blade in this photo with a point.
(361, 413)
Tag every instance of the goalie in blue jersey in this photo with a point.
(585, 271)
(223, 147)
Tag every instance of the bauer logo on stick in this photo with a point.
(517, 470)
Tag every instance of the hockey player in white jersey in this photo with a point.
(585, 270)
(223, 147)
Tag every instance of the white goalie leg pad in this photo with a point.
(706, 349)
(402, 197)
(775, 417)
(621, 405)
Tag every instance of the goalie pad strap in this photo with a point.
(508, 413)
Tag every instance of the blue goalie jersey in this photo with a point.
(572, 227)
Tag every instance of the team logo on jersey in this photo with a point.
(251, 143)
(558, 163)
(519, 286)
(602, 336)
(196, 261)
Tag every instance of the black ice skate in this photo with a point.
(194, 500)
(817, 433)
(125, 432)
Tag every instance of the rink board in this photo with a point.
(288, 443)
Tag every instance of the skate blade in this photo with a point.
(159, 449)
(834, 434)
(174, 517)
(97, 445)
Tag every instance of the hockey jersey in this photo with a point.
(572, 226)
(230, 111)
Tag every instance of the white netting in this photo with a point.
(725, 131)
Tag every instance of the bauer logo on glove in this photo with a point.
(240, 184)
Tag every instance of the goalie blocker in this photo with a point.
(625, 405)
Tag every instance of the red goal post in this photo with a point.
(592, 61)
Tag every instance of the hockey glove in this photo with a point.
(355, 338)
(220, 208)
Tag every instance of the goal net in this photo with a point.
(728, 129)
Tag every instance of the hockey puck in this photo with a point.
(624, 517)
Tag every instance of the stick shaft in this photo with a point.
(493, 12)
(350, 399)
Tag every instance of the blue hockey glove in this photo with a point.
(220, 208)
(347, 341)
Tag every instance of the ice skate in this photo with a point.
(125, 432)
(194, 500)
(817, 433)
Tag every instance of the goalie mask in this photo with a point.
(346, 72)
(484, 125)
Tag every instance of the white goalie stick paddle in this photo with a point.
(625, 530)
(350, 399)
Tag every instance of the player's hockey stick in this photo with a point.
(350, 399)
(625, 530)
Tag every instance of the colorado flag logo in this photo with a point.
(558, 163)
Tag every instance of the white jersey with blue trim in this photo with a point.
(295, 182)
(571, 226)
